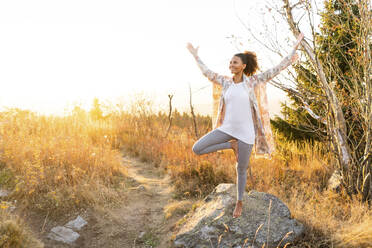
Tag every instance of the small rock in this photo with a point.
(77, 223)
(63, 234)
(141, 188)
(141, 235)
(334, 182)
(4, 193)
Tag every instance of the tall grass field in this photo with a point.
(53, 164)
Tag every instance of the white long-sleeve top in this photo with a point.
(238, 120)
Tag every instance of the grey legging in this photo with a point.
(218, 140)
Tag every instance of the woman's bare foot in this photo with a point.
(238, 209)
(235, 147)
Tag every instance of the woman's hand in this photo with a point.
(192, 49)
(299, 39)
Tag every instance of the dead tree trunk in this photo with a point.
(355, 170)
(193, 115)
(169, 115)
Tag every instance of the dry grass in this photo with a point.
(297, 174)
(56, 164)
(177, 208)
(14, 234)
(356, 233)
(74, 161)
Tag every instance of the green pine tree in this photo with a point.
(336, 45)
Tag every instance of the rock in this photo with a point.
(77, 223)
(334, 182)
(63, 234)
(141, 188)
(66, 233)
(4, 193)
(213, 220)
(141, 235)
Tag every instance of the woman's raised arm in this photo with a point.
(212, 76)
(287, 61)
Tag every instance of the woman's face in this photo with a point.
(236, 65)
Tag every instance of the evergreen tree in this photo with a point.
(336, 45)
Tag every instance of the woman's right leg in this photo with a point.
(213, 141)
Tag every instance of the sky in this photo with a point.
(57, 54)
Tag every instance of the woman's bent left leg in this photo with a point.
(241, 167)
(213, 141)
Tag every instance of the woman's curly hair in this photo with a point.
(250, 59)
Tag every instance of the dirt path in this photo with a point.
(146, 206)
(141, 220)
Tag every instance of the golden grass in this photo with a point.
(55, 163)
(177, 208)
(14, 233)
(297, 174)
(356, 233)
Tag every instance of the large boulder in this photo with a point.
(265, 219)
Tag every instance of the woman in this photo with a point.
(240, 125)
